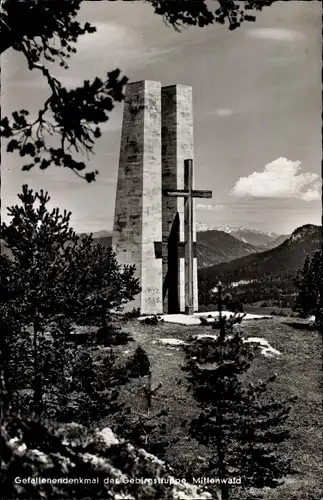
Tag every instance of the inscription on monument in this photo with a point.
(153, 295)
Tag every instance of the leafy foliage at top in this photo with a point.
(68, 123)
(72, 121)
(198, 13)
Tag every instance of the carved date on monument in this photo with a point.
(153, 295)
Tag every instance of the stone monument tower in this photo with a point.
(138, 207)
(149, 223)
(177, 145)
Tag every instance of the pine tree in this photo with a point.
(309, 281)
(111, 287)
(34, 281)
(241, 425)
(303, 283)
(49, 281)
(148, 428)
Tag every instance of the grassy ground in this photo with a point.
(299, 373)
(259, 309)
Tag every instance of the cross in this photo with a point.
(188, 193)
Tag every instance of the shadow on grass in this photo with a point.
(109, 336)
(301, 326)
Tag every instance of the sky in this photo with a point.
(256, 107)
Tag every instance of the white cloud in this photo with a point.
(280, 179)
(224, 112)
(312, 194)
(279, 34)
(209, 207)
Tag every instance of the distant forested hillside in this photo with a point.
(265, 275)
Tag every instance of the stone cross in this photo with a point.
(188, 193)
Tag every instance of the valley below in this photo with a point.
(267, 276)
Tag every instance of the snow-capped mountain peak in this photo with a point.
(235, 229)
(252, 236)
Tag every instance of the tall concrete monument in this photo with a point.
(153, 224)
(138, 207)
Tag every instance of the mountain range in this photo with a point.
(255, 237)
(213, 247)
(271, 269)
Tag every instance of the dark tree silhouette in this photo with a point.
(52, 277)
(242, 426)
(47, 32)
(309, 282)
